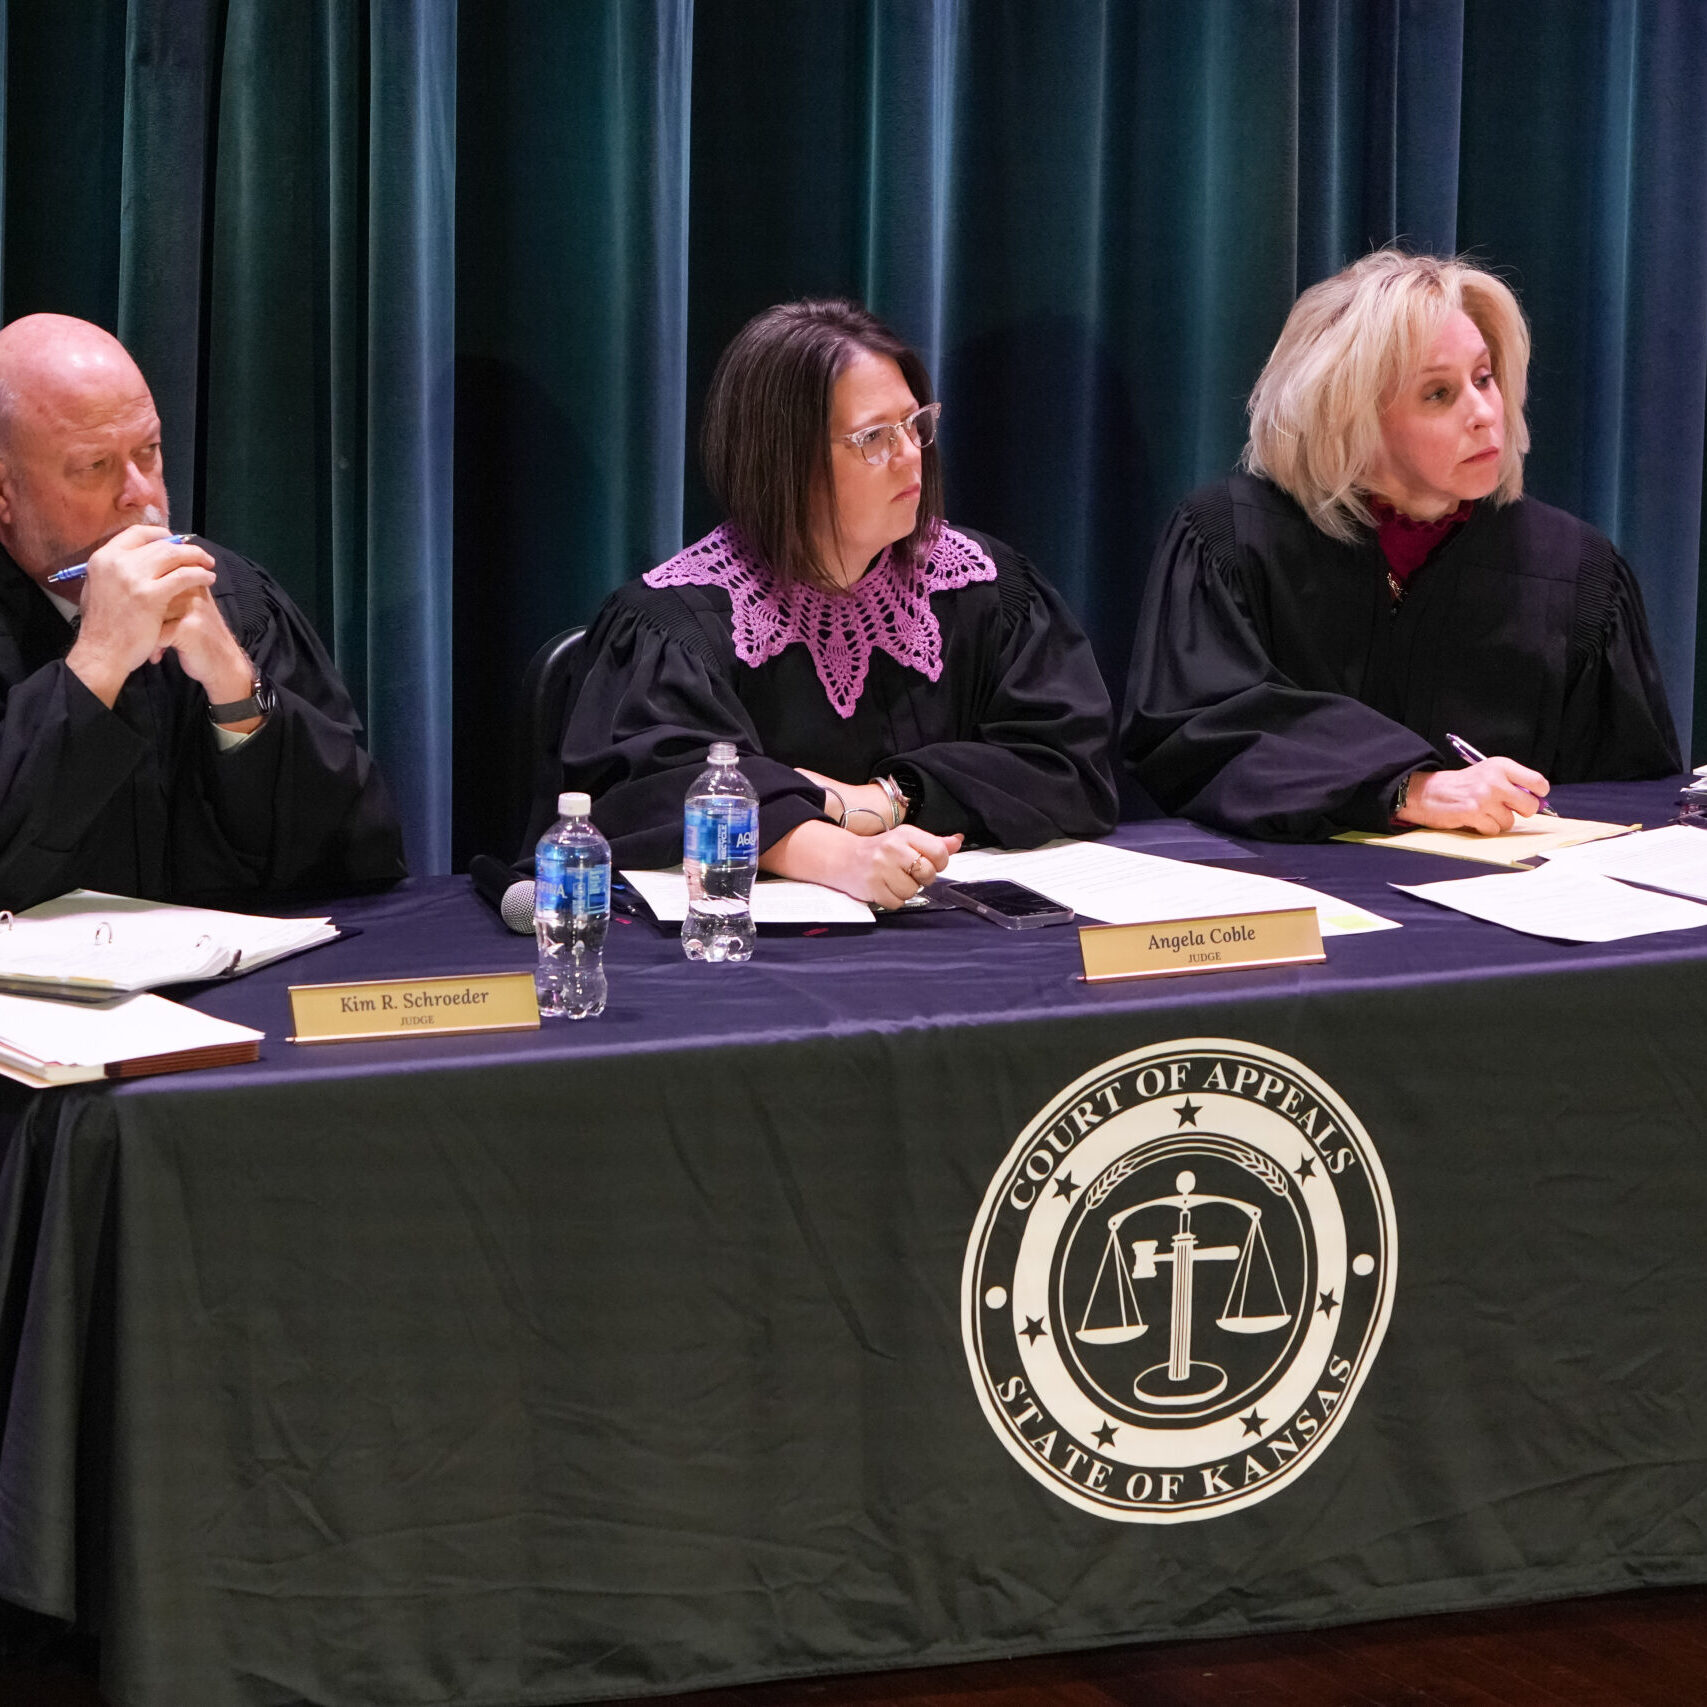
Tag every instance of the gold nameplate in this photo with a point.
(414, 1007)
(1219, 944)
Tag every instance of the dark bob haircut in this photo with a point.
(766, 444)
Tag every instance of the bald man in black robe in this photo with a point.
(171, 725)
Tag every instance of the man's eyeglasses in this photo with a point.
(878, 444)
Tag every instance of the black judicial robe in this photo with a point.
(139, 800)
(1009, 744)
(1277, 690)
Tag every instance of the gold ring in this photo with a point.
(913, 871)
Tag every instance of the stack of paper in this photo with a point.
(1120, 887)
(89, 946)
(1673, 860)
(45, 1043)
(1114, 885)
(1597, 891)
(1563, 902)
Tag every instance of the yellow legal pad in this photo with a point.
(1527, 839)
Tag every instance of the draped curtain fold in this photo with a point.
(571, 381)
(429, 295)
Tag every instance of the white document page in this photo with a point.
(1120, 887)
(70, 954)
(1570, 905)
(1673, 859)
(776, 900)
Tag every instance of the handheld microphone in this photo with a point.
(499, 887)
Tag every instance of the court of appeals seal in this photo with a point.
(1178, 1280)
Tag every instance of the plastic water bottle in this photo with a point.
(720, 853)
(571, 912)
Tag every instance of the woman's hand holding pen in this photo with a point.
(1487, 797)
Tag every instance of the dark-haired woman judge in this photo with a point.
(1315, 628)
(893, 685)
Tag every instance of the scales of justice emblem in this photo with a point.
(1178, 1280)
(1180, 1379)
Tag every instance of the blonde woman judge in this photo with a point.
(1374, 578)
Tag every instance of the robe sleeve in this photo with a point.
(1216, 732)
(1034, 762)
(652, 696)
(300, 803)
(63, 756)
(1616, 723)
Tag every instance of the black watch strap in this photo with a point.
(260, 702)
(912, 788)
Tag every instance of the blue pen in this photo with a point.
(78, 570)
(1471, 757)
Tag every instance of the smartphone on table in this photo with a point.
(1010, 905)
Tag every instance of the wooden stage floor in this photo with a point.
(1645, 1649)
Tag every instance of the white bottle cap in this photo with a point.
(722, 752)
(574, 805)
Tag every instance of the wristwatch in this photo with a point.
(260, 703)
(1402, 798)
(911, 788)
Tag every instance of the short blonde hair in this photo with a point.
(1347, 346)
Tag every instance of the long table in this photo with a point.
(648, 1353)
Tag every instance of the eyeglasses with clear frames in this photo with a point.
(878, 444)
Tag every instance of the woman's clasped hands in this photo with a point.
(886, 863)
(888, 870)
(867, 855)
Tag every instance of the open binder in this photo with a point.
(90, 947)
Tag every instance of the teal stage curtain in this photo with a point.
(258, 197)
(429, 294)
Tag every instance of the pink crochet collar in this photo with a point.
(890, 607)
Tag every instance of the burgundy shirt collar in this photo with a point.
(1407, 543)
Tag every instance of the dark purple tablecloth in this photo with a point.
(926, 971)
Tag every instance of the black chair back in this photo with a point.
(544, 702)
